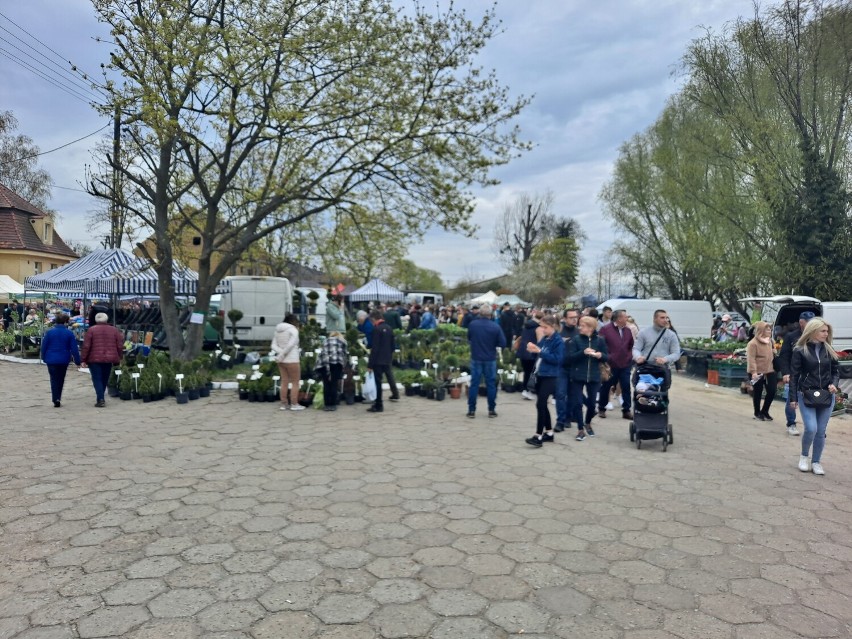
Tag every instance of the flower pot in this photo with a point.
(306, 399)
(410, 391)
(440, 394)
(455, 392)
(349, 398)
(359, 399)
(147, 399)
(519, 387)
(204, 392)
(508, 388)
(112, 391)
(135, 395)
(423, 392)
(126, 396)
(244, 394)
(252, 396)
(193, 394)
(182, 398)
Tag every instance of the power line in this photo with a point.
(56, 78)
(69, 78)
(44, 77)
(29, 157)
(74, 67)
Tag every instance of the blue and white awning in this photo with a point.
(141, 278)
(72, 277)
(377, 291)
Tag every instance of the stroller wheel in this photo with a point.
(638, 443)
(671, 434)
(665, 443)
(632, 432)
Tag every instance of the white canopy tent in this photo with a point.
(9, 288)
(378, 291)
(485, 298)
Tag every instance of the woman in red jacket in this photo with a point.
(103, 346)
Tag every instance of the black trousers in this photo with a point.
(331, 377)
(379, 371)
(544, 389)
(770, 382)
(57, 380)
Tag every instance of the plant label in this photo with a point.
(134, 375)
(241, 376)
(226, 358)
(179, 376)
(140, 366)
(255, 367)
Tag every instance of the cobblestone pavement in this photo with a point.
(229, 520)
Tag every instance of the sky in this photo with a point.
(598, 72)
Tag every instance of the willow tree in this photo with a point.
(245, 118)
(780, 84)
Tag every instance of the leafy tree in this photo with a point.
(780, 85)
(559, 261)
(247, 118)
(407, 276)
(19, 169)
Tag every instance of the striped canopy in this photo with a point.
(72, 277)
(376, 290)
(140, 278)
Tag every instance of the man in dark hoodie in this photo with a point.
(784, 359)
(485, 339)
(381, 359)
(564, 408)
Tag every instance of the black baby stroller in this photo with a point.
(651, 405)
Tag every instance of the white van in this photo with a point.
(264, 302)
(839, 315)
(690, 318)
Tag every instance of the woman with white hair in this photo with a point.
(103, 347)
(814, 378)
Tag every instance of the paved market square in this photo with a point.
(223, 519)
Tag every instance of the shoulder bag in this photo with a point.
(817, 397)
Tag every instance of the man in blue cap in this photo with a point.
(784, 359)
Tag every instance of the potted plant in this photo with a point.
(112, 383)
(427, 388)
(125, 384)
(146, 390)
(312, 296)
(243, 389)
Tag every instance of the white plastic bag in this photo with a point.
(369, 388)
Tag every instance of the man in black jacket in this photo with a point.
(381, 359)
(507, 322)
(784, 359)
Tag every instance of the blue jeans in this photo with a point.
(578, 400)
(789, 413)
(815, 421)
(478, 369)
(100, 377)
(620, 376)
(563, 397)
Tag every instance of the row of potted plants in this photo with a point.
(155, 377)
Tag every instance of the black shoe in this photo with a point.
(559, 427)
(534, 441)
(56, 404)
(394, 398)
(581, 436)
(602, 413)
(329, 409)
(759, 417)
(492, 413)
(376, 409)
(470, 415)
(100, 404)
(547, 438)
(766, 416)
(589, 430)
(626, 414)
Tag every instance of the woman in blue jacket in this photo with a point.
(551, 351)
(58, 348)
(585, 353)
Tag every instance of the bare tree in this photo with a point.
(523, 225)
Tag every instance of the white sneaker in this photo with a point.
(804, 463)
(609, 406)
(527, 395)
(817, 468)
(297, 407)
(792, 430)
(552, 400)
(284, 407)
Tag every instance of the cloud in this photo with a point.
(599, 72)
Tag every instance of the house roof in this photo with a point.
(17, 232)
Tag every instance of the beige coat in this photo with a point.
(759, 357)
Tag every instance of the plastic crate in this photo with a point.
(713, 377)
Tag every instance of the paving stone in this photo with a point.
(563, 601)
(49, 632)
(293, 625)
(135, 591)
(664, 595)
(397, 591)
(152, 567)
(467, 627)
(806, 622)
(688, 625)
(344, 608)
(456, 603)
(183, 602)
(403, 620)
(115, 621)
(731, 608)
(64, 610)
(625, 613)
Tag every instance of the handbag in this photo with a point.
(817, 397)
(533, 383)
(606, 371)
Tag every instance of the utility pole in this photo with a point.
(114, 231)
